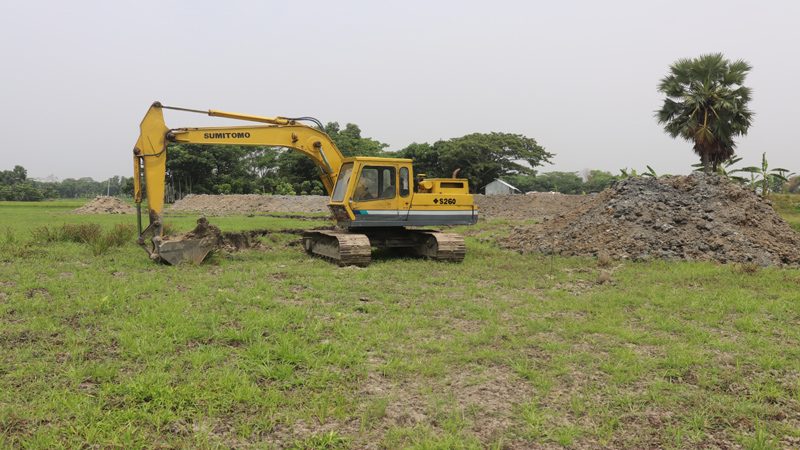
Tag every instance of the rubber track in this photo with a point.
(340, 247)
(444, 247)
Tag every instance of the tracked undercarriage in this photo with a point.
(355, 247)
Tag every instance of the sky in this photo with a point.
(579, 77)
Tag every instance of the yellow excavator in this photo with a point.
(376, 202)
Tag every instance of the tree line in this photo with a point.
(216, 169)
(16, 186)
(706, 104)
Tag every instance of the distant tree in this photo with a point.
(563, 182)
(262, 161)
(706, 104)
(350, 142)
(68, 188)
(128, 186)
(188, 167)
(284, 188)
(209, 169)
(597, 180)
(483, 158)
(296, 167)
(25, 192)
(317, 188)
(16, 186)
(12, 177)
(793, 186)
(425, 158)
(525, 183)
(87, 187)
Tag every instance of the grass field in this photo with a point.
(275, 349)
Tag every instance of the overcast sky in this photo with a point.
(580, 77)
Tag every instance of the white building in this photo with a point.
(501, 187)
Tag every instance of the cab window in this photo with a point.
(404, 182)
(341, 182)
(376, 182)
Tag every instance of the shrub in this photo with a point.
(90, 234)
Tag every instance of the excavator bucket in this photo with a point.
(190, 246)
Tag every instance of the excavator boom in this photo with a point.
(150, 155)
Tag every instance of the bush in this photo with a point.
(67, 233)
(90, 234)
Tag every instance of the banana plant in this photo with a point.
(724, 170)
(652, 173)
(768, 176)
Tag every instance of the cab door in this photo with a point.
(404, 192)
(380, 198)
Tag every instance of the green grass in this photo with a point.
(789, 207)
(274, 349)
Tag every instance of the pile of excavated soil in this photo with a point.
(105, 205)
(695, 218)
(252, 203)
(527, 207)
(491, 207)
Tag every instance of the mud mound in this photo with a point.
(527, 207)
(695, 218)
(252, 203)
(105, 205)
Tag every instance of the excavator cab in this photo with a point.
(374, 192)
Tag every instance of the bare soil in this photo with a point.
(105, 205)
(691, 218)
(252, 203)
(492, 207)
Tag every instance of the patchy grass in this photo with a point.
(788, 206)
(274, 349)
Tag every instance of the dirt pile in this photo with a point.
(105, 205)
(527, 207)
(695, 218)
(491, 207)
(252, 203)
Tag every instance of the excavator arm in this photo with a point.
(150, 155)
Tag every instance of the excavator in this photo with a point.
(375, 202)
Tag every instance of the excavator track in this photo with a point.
(340, 247)
(355, 248)
(441, 246)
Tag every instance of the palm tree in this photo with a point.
(706, 104)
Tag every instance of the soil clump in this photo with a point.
(693, 218)
(105, 205)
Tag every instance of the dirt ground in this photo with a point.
(492, 207)
(682, 218)
(252, 203)
(105, 205)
